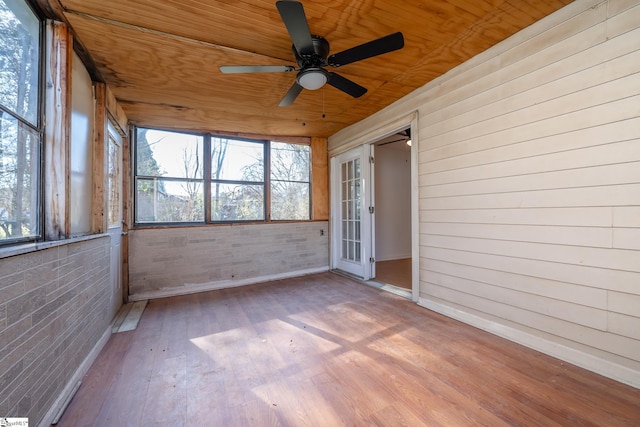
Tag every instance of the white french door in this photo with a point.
(114, 211)
(351, 214)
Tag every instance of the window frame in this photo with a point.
(114, 175)
(264, 183)
(309, 182)
(135, 177)
(37, 128)
(209, 181)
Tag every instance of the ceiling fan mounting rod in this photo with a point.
(318, 58)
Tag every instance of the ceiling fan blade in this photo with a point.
(292, 14)
(237, 69)
(376, 47)
(291, 95)
(390, 142)
(347, 86)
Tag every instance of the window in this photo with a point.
(237, 180)
(20, 150)
(114, 179)
(290, 181)
(169, 177)
(242, 175)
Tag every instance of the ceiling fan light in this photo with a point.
(312, 79)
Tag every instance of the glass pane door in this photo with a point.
(351, 220)
(350, 195)
(114, 213)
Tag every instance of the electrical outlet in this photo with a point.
(322, 232)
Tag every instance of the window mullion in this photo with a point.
(267, 181)
(207, 177)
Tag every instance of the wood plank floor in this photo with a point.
(325, 350)
(396, 272)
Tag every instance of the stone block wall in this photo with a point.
(168, 261)
(55, 305)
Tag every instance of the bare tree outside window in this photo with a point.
(218, 153)
(19, 136)
(19, 65)
(114, 177)
(170, 182)
(290, 181)
(169, 177)
(237, 181)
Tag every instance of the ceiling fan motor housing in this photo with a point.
(318, 58)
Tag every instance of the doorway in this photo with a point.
(392, 194)
(374, 210)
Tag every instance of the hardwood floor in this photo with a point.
(395, 272)
(324, 350)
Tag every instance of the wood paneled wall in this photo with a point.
(529, 187)
(320, 179)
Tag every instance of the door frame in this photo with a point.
(363, 269)
(365, 140)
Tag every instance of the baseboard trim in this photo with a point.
(193, 288)
(571, 355)
(71, 387)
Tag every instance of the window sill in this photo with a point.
(147, 226)
(22, 249)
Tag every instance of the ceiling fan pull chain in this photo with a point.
(323, 115)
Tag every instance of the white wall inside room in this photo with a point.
(529, 194)
(392, 169)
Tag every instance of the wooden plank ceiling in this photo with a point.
(161, 58)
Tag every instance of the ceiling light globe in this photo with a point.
(312, 79)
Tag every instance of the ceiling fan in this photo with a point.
(312, 56)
